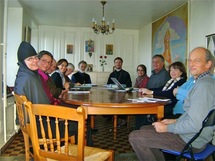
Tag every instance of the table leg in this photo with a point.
(160, 113)
(114, 126)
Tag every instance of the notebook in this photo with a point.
(120, 86)
(85, 87)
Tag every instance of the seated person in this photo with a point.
(45, 61)
(180, 94)
(178, 77)
(52, 68)
(173, 134)
(69, 72)
(59, 75)
(56, 92)
(124, 78)
(142, 79)
(28, 82)
(81, 77)
(159, 75)
(121, 75)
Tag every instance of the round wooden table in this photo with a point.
(104, 101)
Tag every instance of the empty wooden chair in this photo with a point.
(54, 150)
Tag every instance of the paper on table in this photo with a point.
(157, 99)
(147, 99)
(77, 92)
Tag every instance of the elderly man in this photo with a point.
(81, 77)
(174, 134)
(158, 79)
(159, 75)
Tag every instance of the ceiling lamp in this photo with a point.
(104, 28)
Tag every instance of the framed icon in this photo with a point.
(90, 68)
(109, 49)
(69, 49)
(89, 46)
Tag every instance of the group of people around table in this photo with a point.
(43, 80)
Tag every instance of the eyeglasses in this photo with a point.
(45, 61)
(32, 58)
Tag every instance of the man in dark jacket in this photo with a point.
(121, 75)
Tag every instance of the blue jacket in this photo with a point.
(182, 94)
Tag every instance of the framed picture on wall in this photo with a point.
(89, 67)
(69, 49)
(210, 43)
(89, 46)
(109, 49)
(27, 34)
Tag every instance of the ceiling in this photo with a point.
(128, 14)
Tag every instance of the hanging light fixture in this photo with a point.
(104, 28)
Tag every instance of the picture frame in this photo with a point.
(27, 34)
(210, 43)
(114, 68)
(89, 46)
(109, 49)
(90, 68)
(69, 48)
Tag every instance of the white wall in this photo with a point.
(145, 49)
(18, 19)
(14, 37)
(202, 22)
(1, 20)
(125, 45)
(1, 39)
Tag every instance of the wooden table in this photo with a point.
(103, 101)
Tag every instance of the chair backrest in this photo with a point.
(41, 114)
(22, 113)
(208, 121)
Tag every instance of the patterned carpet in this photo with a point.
(102, 139)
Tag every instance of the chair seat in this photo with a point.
(90, 153)
(198, 156)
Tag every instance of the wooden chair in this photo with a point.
(24, 123)
(51, 150)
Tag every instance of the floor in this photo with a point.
(102, 139)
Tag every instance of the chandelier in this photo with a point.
(104, 28)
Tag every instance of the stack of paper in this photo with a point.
(78, 92)
(147, 99)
